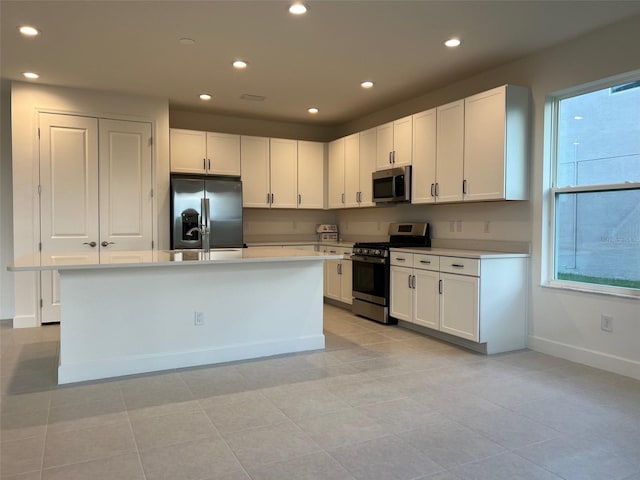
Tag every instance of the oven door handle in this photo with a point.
(360, 258)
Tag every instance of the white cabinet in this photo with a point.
(96, 193)
(423, 171)
(204, 152)
(255, 172)
(495, 144)
(351, 162)
(283, 173)
(449, 152)
(478, 300)
(336, 174)
(338, 275)
(394, 143)
(311, 174)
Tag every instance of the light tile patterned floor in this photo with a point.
(379, 403)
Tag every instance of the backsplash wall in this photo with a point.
(283, 225)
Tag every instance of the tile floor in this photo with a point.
(379, 403)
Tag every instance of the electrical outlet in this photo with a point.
(198, 319)
(606, 323)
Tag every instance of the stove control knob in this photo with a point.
(377, 252)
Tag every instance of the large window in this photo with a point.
(596, 188)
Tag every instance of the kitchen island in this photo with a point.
(138, 312)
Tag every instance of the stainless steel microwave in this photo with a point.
(392, 185)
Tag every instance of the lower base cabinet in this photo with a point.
(338, 276)
(485, 303)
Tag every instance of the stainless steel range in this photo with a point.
(371, 269)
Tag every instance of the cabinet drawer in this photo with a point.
(461, 265)
(402, 259)
(426, 262)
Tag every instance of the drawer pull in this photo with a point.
(400, 259)
(457, 265)
(426, 262)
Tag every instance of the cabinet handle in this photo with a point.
(414, 281)
(272, 199)
(91, 244)
(204, 163)
(268, 198)
(342, 198)
(333, 251)
(440, 287)
(433, 193)
(464, 186)
(299, 199)
(106, 244)
(358, 197)
(457, 265)
(437, 189)
(390, 161)
(426, 262)
(393, 157)
(400, 259)
(339, 268)
(409, 279)
(208, 164)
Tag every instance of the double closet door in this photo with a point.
(95, 194)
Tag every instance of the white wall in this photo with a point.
(6, 209)
(563, 323)
(27, 100)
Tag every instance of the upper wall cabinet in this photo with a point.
(423, 173)
(204, 152)
(284, 173)
(336, 194)
(255, 172)
(311, 167)
(495, 144)
(449, 152)
(394, 143)
(351, 162)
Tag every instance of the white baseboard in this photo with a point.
(116, 367)
(592, 358)
(25, 321)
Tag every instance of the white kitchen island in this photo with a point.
(148, 311)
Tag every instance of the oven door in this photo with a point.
(371, 279)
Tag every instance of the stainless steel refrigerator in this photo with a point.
(192, 197)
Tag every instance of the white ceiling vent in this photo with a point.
(252, 98)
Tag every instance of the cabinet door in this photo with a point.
(351, 170)
(423, 174)
(384, 142)
(402, 135)
(346, 281)
(449, 151)
(188, 151)
(69, 197)
(367, 166)
(334, 285)
(284, 173)
(336, 174)
(311, 174)
(126, 205)
(484, 145)
(426, 299)
(401, 293)
(459, 305)
(223, 154)
(255, 172)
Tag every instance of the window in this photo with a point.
(596, 188)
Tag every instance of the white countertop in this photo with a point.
(454, 252)
(134, 259)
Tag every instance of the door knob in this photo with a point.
(91, 244)
(106, 244)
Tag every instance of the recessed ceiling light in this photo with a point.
(239, 64)
(367, 84)
(186, 41)
(577, 117)
(313, 110)
(297, 9)
(453, 42)
(205, 96)
(31, 75)
(29, 31)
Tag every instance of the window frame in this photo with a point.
(553, 101)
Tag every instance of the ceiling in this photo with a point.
(318, 59)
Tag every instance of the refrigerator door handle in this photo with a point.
(204, 209)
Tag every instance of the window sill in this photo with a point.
(594, 289)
